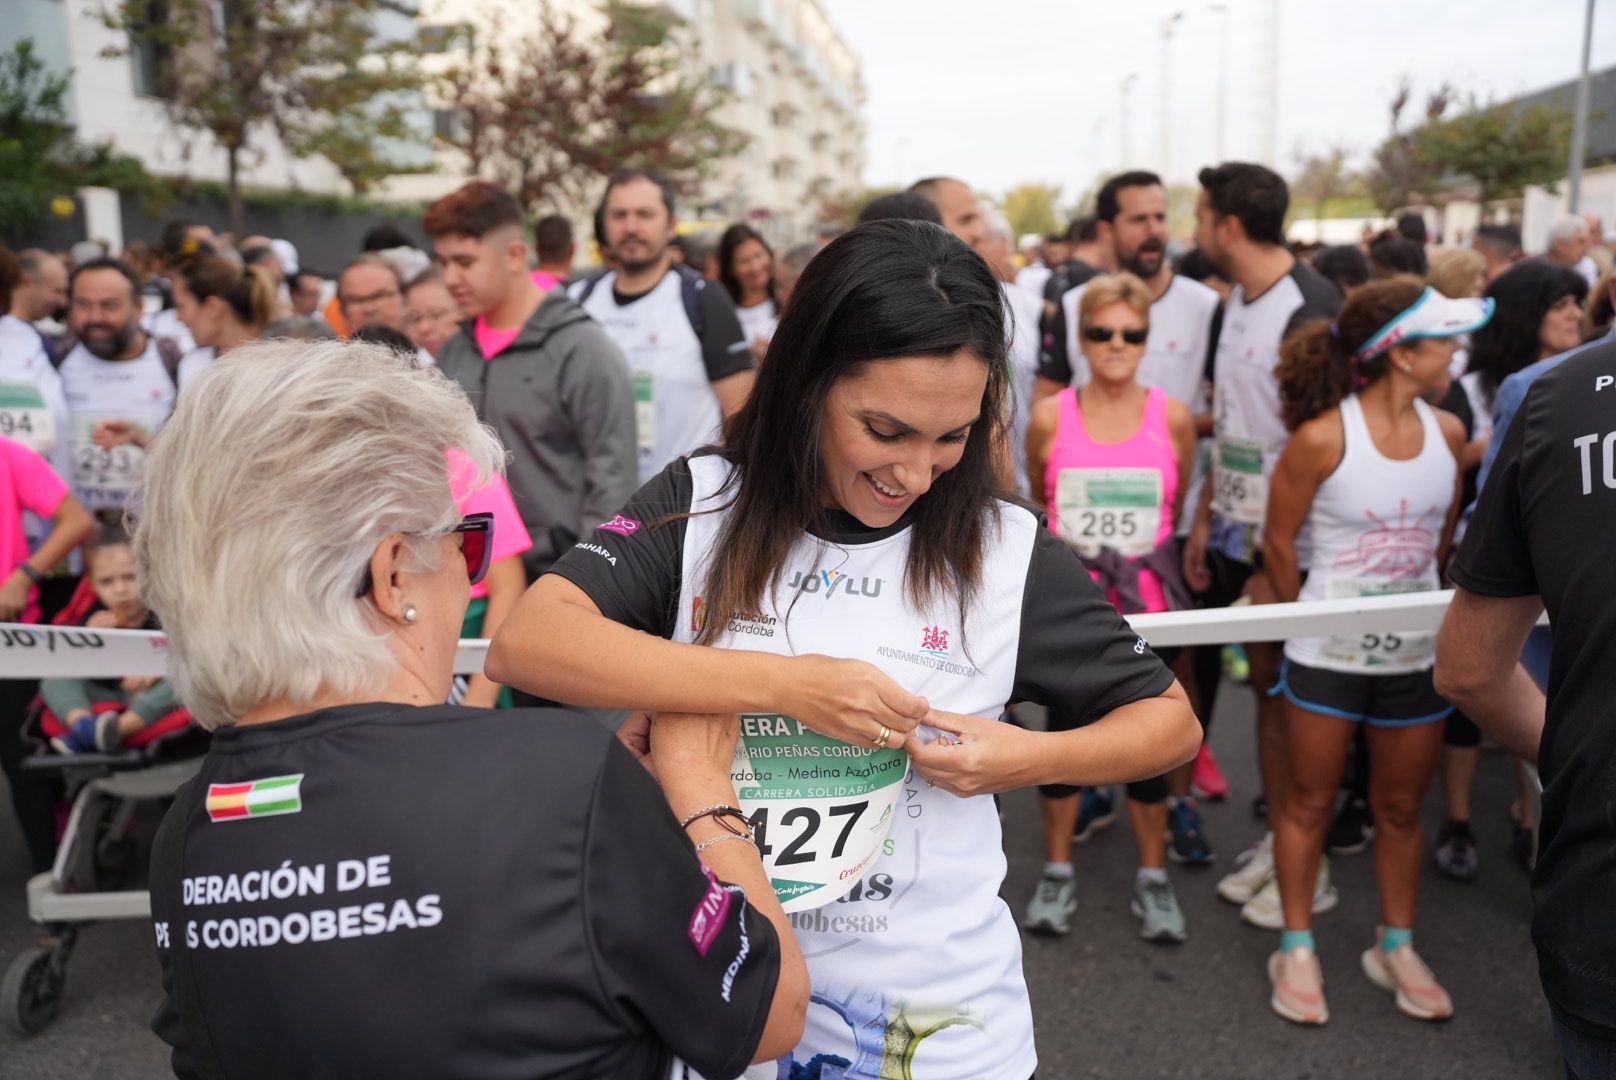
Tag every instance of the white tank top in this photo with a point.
(1376, 525)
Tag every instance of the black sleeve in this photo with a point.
(1053, 361)
(673, 944)
(1056, 286)
(1078, 656)
(1212, 343)
(632, 566)
(1494, 559)
(167, 916)
(724, 348)
(1320, 299)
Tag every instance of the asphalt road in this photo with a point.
(1106, 1004)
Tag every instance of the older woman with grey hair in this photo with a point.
(363, 881)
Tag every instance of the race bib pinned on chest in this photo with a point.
(25, 417)
(102, 474)
(820, 808)
(1240, 487)
(1116, 509)
(645, 409)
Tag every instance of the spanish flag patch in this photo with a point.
(260, 798)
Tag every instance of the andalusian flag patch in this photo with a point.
(261, 798)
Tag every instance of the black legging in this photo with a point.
(34, 796)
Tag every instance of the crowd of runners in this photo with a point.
(708, 442)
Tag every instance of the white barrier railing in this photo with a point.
(35, 652)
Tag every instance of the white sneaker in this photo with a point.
(1266, 911)
(1256, 867)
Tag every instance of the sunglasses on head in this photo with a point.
(476, 546)
(1102, 334)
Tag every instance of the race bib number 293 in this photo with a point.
(820, 809)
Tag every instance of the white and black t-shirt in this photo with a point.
(758, 321)
(380, 890)
(921, 940)
(676, 410)
(33, 405)
(1023, 310)
(140, 389)
(1543, 527)
(1248, 430)
(1183, 333)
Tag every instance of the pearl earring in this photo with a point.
(410, 614)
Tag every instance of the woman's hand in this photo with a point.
(14, 595)
(135, 684)
(101, 620)
(1196, 574)
(852, 701)
(977, 757)
(636, 735)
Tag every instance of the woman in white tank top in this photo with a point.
(1373, 472)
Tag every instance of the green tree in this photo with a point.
(1499, 146)
(33, 120)
(1031, 209)
(1322, 178)
(1399, 171)
(563, 106)
(241, 70)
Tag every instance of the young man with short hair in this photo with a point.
(552, 236)
(691, 362)
(539, 370)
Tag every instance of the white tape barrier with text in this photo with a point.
(37, 652)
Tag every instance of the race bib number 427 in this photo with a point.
(820, 808)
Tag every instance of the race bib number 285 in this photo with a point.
(820, 808)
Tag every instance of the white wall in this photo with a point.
(1542, 206)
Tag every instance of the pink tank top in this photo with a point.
(1114, 496)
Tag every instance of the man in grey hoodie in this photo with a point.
(539, 370)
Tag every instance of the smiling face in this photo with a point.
(433, 316)
(754, 266)
(1562, 327)
(890, 430)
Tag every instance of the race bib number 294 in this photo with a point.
(820, 809)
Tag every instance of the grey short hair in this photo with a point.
(999, 227)
(301, 328)
(283, 467)
(1567, 227)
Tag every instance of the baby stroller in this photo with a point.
(97, 854)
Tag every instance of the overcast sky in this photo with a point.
(999, 92)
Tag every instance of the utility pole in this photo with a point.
(1166, 163)
(1579, 120)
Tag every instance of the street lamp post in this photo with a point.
(1579, 120)
(1167, 95)
(1127, 126)
(1222, 11)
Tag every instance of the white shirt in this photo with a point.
(675, 410)
(33, 406)
(1588, 269)
(1033, 277)
(1023, 310)
(166, 323)
(138, 389)
(758, 321)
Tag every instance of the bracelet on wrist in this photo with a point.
(33, 575)
(705, 844)
(718, 814)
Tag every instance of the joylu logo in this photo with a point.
(831, 581)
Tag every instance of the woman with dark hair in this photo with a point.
(1371, 472)
(746, 267)
(1538, 316)
(1344, 265)
(844, 573)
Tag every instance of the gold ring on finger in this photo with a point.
(881, 739)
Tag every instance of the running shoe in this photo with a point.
(88, 735)
(1188, 844)
(1402, 972)
(1259, 806)
(1050, 910)
(1208, 780)
(1456, 856)
(1352, 829)
(1097, 811)
(1156, 905)
(1298, 983)
(1255, 867)
(1236, 666)
(1265, 910)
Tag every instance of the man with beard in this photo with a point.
(691, 362)
(1132, 213)
(959, 206)
(1240, 222)
(116, 372)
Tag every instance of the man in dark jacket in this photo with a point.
(539, 370)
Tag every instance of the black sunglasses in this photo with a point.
(1102, 334)
(476, 545)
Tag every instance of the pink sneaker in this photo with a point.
(1208, 780)
(1403, 973)
(1298, 983)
